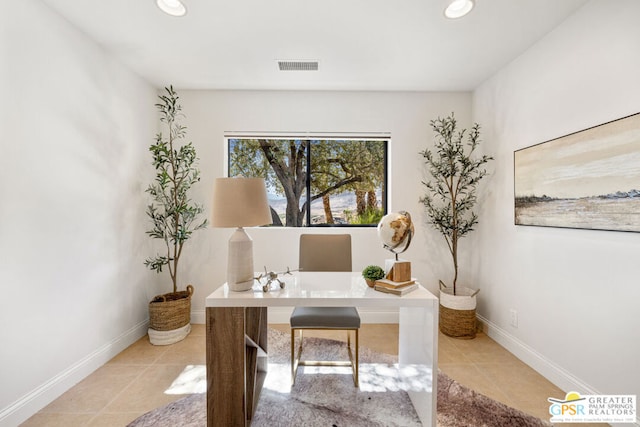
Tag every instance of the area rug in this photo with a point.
(326, 397)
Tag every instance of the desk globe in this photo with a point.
(395, 231)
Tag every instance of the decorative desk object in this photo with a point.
(174, 217)
(396, 230)
(396, 290)
(272, 277)
(371, 273)
(449, 200)
(395, 287)
(240, 202)
(237, 340)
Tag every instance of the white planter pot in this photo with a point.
(168, 337)
(465, 298)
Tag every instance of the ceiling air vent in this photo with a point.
(298, 65)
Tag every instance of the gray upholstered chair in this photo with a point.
(325, 252)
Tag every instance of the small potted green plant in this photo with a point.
(372, 273)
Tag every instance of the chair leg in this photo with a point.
(293, 345)
(352, 359)
(357, 367)
(295, 360)
(299, 348)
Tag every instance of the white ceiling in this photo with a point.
(360, 44)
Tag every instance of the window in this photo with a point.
(316, 182)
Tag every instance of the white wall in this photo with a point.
(74, 129)
(576, 291)
(405, 115)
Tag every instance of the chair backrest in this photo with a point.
(325, 252)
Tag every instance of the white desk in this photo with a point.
(237, 339)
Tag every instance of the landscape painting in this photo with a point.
(589, 179)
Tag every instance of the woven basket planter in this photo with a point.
(458, 312)
(170, 311)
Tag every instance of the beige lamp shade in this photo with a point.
(240, 202)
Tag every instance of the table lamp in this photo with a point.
(240, 202)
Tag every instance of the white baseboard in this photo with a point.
(23, 408)
(554, 373)
(198, 317)
(282, 315)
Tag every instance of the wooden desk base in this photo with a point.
(236, 363)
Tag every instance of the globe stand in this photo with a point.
(397, 270)
(396, 231)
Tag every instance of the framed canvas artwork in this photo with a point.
(588, 179)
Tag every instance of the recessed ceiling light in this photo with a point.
(458, 8)
(172, 7)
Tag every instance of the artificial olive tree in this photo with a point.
(173, 214)
(450, 194)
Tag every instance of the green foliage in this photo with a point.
(282, 163)
(369, 216)
(373, 272)
(455, 173)
(173, 215)
(346, 165)
(335, 166)
(247, 158)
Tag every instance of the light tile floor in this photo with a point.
(134, 381)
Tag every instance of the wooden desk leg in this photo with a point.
(226, 367)
(256, 362)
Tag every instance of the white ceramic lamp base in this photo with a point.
(240, 264)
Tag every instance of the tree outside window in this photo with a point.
(316, 182)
